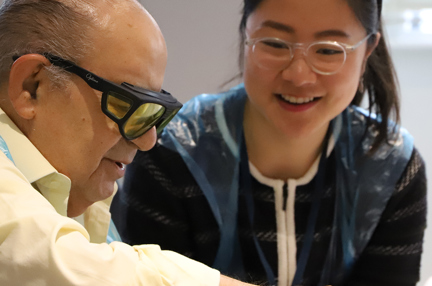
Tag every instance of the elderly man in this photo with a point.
(60, 62)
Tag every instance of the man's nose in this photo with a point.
(146, 141)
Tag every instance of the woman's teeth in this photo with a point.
(297, 100)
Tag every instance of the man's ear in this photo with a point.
(370, 49)
(24, 77)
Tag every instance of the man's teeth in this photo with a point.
(121, 165)
(297, 100)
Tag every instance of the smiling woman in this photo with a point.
(285, 168)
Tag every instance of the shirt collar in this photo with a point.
(54, 186)
(34, 166)
(26, 156)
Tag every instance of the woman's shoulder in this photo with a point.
(370, 120)
(206, 118)
(415, 172)
(202, 104)
(362, 127)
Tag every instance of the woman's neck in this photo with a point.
(277, 155)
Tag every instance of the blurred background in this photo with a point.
(202, 42)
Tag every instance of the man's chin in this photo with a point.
(106, 191)
(82, 198)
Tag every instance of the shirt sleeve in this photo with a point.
(38, 246)
(393, 254)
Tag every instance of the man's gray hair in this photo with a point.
(61, 27)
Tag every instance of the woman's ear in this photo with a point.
(24, 78)
(370, 49)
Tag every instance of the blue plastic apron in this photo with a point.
(207, 134)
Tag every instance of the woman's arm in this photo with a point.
(393, 254)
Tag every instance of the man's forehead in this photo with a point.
(131, 49)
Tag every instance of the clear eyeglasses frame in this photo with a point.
(323, 57)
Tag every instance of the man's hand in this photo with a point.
(226, 281)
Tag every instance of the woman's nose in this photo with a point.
(298, 71)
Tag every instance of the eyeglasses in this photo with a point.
(325, 57)
(135, 109)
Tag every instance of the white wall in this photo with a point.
(201, 37)
(412, 53)
(202, 45)
(415, 76)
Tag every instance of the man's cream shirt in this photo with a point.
(40, 245)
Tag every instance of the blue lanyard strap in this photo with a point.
(113, 234)
(4, 148)
(246, 183)
(316, 202)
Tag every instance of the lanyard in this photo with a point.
(316, 201)
(4, 148)
(246, 183)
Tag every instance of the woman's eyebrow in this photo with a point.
(290, 30)
(329, 33)
(278, 26)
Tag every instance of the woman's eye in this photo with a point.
(276, 45)
(327, 51)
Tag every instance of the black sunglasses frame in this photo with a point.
(137, 95)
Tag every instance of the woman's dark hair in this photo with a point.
(379, 79)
